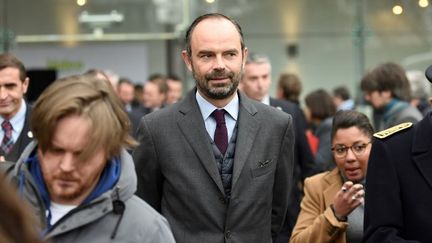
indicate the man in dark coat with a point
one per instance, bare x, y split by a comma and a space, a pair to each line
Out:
399, 185
15, 113
255, 84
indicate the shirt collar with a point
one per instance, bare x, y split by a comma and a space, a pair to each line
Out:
232, 108
266, 100
19, 116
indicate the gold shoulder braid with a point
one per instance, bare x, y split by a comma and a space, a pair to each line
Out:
392, 130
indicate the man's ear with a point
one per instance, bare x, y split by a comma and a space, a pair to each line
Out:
245, 55
187, 60
25, 85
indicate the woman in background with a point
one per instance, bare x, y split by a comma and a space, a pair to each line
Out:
319, 113
332, 207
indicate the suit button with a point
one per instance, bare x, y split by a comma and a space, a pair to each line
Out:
228, 234
222, 200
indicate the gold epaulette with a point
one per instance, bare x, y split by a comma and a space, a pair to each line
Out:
392, 130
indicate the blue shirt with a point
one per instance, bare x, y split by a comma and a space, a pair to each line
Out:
231, 115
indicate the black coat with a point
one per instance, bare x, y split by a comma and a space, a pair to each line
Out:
398, 203
304, 165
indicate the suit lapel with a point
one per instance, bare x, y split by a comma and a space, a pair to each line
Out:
421, 151
246, 133
24, 138
334, 182
192, 126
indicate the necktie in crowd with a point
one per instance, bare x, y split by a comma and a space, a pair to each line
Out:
7, 142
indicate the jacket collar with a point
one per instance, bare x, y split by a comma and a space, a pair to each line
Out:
192, 126
334, 183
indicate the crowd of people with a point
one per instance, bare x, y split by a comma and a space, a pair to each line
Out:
100, 159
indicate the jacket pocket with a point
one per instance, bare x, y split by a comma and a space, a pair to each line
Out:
263, 168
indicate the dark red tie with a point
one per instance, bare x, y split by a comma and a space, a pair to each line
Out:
7, 142
221, 133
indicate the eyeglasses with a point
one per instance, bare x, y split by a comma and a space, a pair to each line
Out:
341, 151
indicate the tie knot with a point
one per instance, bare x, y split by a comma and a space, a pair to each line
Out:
6, 125
219, 116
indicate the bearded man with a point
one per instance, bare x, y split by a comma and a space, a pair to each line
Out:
205, 162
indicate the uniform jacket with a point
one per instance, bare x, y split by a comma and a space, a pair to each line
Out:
178, 174
316, 221
97, 221
398, 200
23, 140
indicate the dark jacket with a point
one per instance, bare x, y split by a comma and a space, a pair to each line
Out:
394, 113
324, 157
304, 165
23, 140
398, 195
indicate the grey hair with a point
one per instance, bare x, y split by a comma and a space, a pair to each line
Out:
257, 59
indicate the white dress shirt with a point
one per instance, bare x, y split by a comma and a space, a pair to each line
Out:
231, 115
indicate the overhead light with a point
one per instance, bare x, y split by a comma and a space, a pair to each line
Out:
397, 9
423, 3
81, 2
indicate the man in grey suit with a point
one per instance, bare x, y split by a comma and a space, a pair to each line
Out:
205, 162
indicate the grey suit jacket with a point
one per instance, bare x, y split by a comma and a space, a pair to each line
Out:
178, 175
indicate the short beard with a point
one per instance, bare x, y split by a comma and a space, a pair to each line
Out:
218, 93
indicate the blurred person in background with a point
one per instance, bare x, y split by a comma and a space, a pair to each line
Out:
107, 75
97, 73
387, 89
333, 205
126, 93
289, 88
17, 223
319, 111
76, 175
139, 93
155, 92
15, 112
113, 78
342, 98
175, 89
255, 83
134, 109
420, 91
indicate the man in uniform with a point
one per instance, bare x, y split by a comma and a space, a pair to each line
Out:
399, 184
